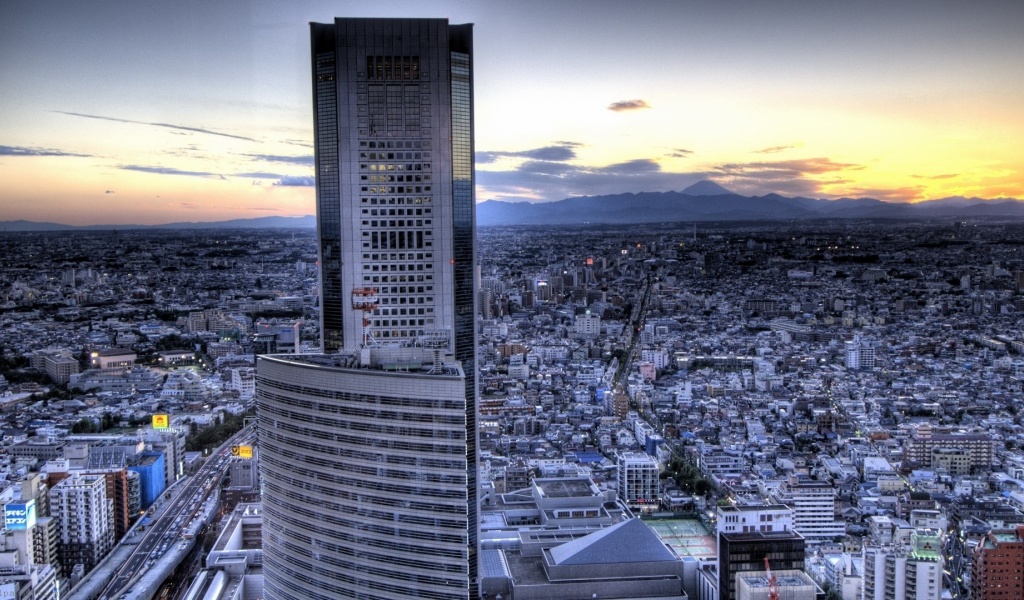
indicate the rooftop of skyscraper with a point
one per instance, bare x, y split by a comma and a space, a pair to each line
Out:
393, 359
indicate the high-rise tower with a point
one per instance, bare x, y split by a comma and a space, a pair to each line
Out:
368, 452
393, 109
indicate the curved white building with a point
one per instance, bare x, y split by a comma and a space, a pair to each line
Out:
364, 478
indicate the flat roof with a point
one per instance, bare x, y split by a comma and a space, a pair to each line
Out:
408, 360
564, 488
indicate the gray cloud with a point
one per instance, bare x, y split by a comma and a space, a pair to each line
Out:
679, 153
169, 171
640, 166
109, 192
559, 151
541, 180
260, 175
301, 180
306, 159
624, 105
164, 125
545, 181
23, 151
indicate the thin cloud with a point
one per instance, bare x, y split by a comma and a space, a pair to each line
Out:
679, 153
900, 194
260, 175
558, 152
164, 125
798, 177
944, 176
774, 149
109, 192
624, 105
170, 171
303, 143
786, 168
296, 181
306, 159
24, 151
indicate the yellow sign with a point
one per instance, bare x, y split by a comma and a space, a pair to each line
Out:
161, 421
241, 451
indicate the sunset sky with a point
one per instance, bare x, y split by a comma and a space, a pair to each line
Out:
152, 112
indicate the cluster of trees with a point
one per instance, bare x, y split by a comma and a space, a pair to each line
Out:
106, 422
211, 437
688, 477
14, 368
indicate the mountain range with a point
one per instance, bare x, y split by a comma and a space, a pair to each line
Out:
708, 201
702, 201
306, 222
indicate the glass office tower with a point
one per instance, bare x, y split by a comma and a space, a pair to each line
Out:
388, 484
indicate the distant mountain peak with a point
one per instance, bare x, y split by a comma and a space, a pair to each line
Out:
705, 187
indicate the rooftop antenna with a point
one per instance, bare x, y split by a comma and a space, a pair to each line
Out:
365, 301
436, 340
773, 583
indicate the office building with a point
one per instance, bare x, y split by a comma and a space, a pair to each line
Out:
365, 472
791, 585
904, 571
588, 324
638, 479
997, 564
150, 467
232, 564
393, 112
627, 561
744, 553
814, 508
85, 520
752, 518
860, 353
368, 457
119, 490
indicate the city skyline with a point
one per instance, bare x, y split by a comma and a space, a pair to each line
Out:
119, 113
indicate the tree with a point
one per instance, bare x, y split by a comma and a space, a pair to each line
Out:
84, 425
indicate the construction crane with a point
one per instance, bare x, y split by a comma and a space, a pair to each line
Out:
773, 583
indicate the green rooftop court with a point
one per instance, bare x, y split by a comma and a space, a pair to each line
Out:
687, 537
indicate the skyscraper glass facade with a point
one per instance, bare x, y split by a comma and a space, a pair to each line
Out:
369, 466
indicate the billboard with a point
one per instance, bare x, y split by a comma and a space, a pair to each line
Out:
241, 451
161, 421
20, 516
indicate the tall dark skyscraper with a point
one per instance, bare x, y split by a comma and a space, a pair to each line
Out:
368, 452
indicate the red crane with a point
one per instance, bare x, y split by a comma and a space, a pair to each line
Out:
773, 584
